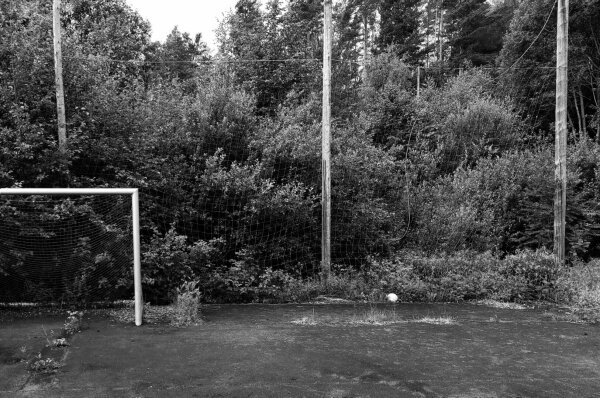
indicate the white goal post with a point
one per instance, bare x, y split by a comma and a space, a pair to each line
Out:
135, 210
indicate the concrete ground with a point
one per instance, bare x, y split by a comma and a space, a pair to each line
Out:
257, 351
20, 341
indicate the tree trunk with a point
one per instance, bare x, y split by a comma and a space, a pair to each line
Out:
440, 35
436, 29
577, 111
365, 45
582, 109
597, 99
570, 121
428, 31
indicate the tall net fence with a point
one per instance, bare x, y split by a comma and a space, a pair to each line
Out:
228, 163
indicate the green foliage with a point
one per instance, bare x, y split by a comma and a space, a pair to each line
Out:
531, 80
177, 57
505, 204
400, 27
340, 285
466, 276
387, 99
475, 31
44, 365
73, 323
227, 156
166, 263
579, 285
536, 271
27, 151
187, 304
463, 121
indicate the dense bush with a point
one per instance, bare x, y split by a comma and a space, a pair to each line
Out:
387, 100
505, 204
166, 262
580, 285
463, 121
466, 276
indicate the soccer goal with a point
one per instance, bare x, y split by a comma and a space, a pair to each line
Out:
70, 244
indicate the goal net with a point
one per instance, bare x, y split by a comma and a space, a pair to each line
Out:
69, 246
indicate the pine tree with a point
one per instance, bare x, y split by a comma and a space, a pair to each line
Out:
400, 28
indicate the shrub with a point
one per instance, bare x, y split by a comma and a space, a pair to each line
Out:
535, 270
465, 121
73, 322
300, 291
387, 97
580, 285
271, 283
346, 286
166, 262
44, 365
187, 305
445, 219
419, 277
466, 276
504, 204
394, 275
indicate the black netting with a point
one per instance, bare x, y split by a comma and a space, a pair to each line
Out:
57, 249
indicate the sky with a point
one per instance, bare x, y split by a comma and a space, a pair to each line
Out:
192, 16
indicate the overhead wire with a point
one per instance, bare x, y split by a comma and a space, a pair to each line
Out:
535, 39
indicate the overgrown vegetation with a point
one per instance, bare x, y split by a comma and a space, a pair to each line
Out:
44, 365
442, 197
73, 323
187, 305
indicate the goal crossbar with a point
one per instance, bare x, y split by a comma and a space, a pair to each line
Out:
135, 210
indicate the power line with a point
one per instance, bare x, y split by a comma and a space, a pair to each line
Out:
536, 38
196, 62
282, 60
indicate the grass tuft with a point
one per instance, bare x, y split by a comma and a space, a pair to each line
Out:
305, 320
440, 320
375, 316
502, 305
44, 365
187, 305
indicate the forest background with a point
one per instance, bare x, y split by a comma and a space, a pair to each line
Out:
441, 193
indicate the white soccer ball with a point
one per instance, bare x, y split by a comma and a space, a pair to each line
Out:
391, 297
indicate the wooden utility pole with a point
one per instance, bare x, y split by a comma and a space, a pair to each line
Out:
441, 56
326, 146
427, 32
60, 95
560, 152
365, 45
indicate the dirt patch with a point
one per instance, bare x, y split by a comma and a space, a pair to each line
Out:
10, 356
22, 338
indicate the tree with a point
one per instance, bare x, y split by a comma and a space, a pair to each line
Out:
475, 30
252, 37
107, 29
179, 56
399, 27
530, 68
